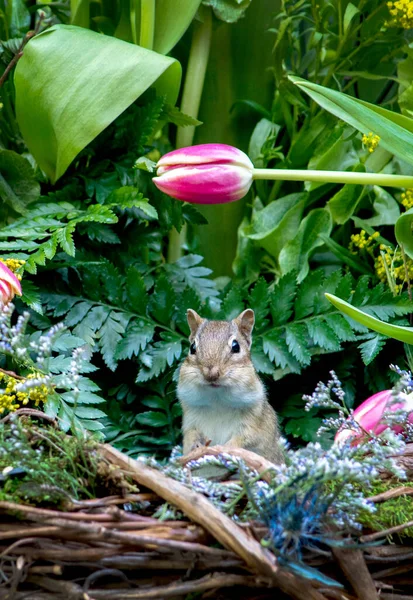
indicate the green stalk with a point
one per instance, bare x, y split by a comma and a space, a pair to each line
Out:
147, 31
191, 100
381, 179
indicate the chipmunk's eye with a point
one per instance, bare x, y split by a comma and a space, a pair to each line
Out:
235, 347
192, 348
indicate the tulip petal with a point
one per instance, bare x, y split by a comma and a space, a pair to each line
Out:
370, 414
204, 154
10, 278
5, 293
205, 184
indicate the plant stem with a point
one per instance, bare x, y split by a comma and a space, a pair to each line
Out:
147, 31
402, 181
195, 76
191, 100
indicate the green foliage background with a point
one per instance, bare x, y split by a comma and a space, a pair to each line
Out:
95, 243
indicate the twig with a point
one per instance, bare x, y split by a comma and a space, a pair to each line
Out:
394, 493
28, 412
385, 532
252, 460
11, 373
354, 567
181, 588
201, 511
29, 35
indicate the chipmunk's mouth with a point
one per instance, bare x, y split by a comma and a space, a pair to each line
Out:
215, 385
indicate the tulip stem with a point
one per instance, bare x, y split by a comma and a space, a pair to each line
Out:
147, 32
190, 103
402, 181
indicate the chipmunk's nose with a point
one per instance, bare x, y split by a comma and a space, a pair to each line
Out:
211, 373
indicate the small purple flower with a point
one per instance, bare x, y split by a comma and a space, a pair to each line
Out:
205, 174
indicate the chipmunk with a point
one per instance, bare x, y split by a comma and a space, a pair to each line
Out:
222, 397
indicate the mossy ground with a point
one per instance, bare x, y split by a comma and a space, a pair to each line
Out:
390, 513
41, 465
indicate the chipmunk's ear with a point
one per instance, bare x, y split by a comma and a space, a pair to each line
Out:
245, 322
194, 320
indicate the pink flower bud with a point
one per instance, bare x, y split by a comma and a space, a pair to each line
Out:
205, 174
370, 415
9, 285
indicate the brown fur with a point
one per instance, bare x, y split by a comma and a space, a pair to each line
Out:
222, 397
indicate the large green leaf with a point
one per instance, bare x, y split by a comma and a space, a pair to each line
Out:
402, 334
172, 19
296, 254
71, 83
278, 223
404, 231
395, 130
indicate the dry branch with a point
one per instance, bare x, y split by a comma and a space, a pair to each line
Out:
201, 511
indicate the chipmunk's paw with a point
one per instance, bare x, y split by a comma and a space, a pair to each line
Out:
200, 443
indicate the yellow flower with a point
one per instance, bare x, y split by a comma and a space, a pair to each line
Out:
407, 198
401, 13
370, 141
10, 400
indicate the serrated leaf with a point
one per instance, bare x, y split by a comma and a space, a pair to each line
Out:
340, 327
86, 412
187, 272
306, 294
162, 301
282, 299
65, 239
371, 348
232, 304
137, 336
136, 294
322, 334
152, 418
259, 299
276, 348
77, 313
84, 397
178, 118
297, 342
109, 335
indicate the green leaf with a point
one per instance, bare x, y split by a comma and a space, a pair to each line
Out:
385, 207
110, 334
296, 254
130, 197
187, 272
258, 300
344, 203
136, 294
65, 239
137, 336
297, 342
404, 232
18, 18
18, 186
171, 21
64, 99
162, 301
307, 294
349, 14
278, 223
228, 10
152, 418
371, 348
395, 130
278, 352
345, 255
282, 299
232, 304
87, 412
402, 334
84, 398
178, 118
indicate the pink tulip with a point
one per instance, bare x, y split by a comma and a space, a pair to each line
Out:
9, 285
205, 174
370, 414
